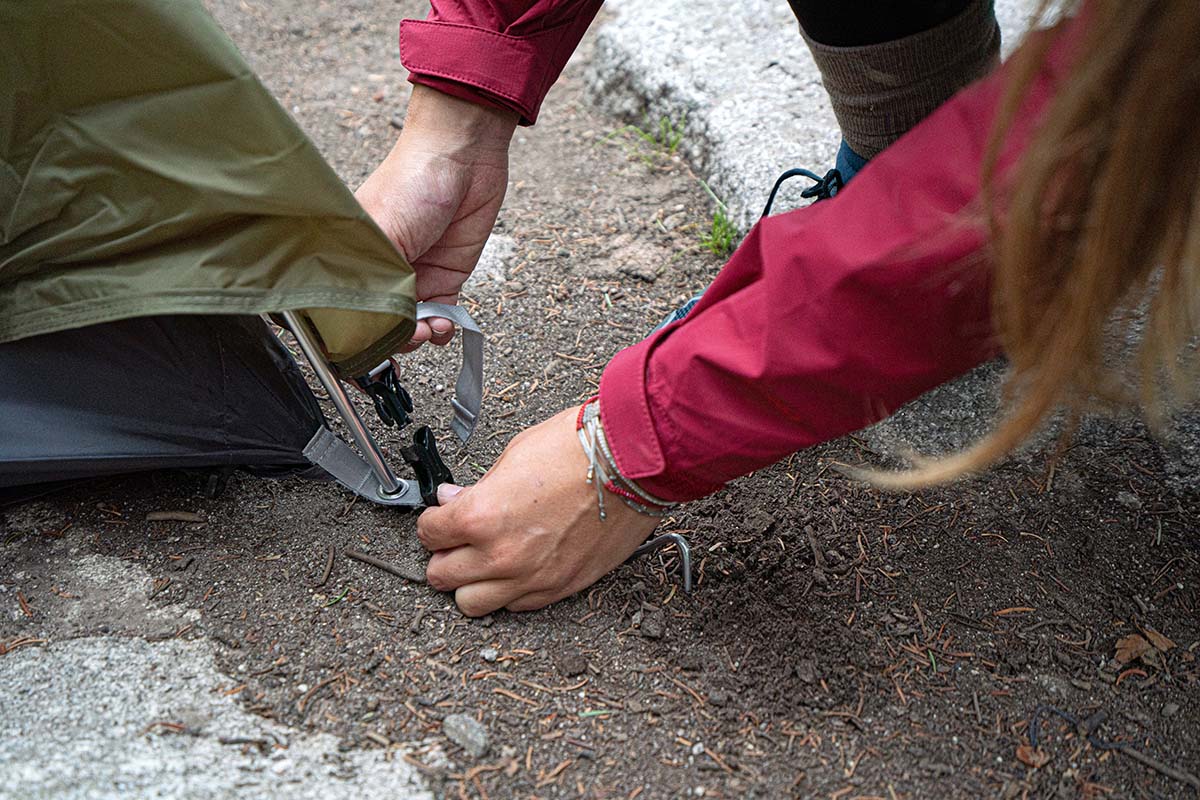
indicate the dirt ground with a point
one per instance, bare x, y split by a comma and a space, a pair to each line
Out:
839, 643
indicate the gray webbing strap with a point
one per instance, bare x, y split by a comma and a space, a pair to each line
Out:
468, 389
330, 453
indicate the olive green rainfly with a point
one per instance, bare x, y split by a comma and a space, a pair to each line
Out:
144, 171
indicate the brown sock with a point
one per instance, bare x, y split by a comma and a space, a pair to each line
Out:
879, 91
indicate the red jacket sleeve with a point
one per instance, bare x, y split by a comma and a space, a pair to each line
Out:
828, 318
505, 53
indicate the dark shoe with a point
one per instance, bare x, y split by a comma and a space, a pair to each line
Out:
823, 188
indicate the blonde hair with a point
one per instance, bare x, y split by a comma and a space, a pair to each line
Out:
1100, 244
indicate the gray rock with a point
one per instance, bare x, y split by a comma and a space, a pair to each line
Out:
1129, 500
489, 654
654, 624
764, 110
571, 664
75, 726
494, 261
1170, 709
466, 732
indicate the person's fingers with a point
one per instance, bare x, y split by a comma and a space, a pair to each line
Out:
421, 334
534, 600
446, 493
449, 569
440, 337
440, 528
441, 326
477, 599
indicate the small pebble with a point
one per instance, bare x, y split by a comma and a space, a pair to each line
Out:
572, 664
1129, 500
673, 221
806, 671
467, 733
654, 625
489, 654
1170, 709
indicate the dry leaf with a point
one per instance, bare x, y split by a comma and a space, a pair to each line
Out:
1131, 648
1160, 642
1032, 756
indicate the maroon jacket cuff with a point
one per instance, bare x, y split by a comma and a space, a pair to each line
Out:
464, 92
500, 69
637, 449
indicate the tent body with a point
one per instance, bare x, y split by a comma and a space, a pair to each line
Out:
145, 171
154, 201
151, 393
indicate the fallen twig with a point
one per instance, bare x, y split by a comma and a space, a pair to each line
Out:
1088, 728
262, 744
175, 516
328, 568
1165, 769
20, 641
395, 569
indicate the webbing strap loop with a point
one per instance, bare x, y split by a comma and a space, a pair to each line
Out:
468, 389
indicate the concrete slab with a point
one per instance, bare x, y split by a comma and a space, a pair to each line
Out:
112, 717
117, 716
743, 79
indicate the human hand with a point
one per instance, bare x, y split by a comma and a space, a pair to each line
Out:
529, 532
438, 192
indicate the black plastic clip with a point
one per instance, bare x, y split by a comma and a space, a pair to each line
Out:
427, 463
392, 401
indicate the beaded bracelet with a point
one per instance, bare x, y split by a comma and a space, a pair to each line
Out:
602, 468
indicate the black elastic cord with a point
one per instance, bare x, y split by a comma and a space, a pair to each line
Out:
824, 188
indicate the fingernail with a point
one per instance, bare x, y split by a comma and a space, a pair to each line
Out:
447, 492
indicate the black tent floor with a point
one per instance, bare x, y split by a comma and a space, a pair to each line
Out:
148, 394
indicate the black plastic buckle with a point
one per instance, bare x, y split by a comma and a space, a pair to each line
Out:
427, 463
392, 401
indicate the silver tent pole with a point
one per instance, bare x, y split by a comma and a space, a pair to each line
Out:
337, 393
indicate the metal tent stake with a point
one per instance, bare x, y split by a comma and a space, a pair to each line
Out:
388, 483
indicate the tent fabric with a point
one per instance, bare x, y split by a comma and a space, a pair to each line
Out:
151, 393
145, 171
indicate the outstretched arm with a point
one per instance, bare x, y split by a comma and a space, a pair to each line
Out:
825, 320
